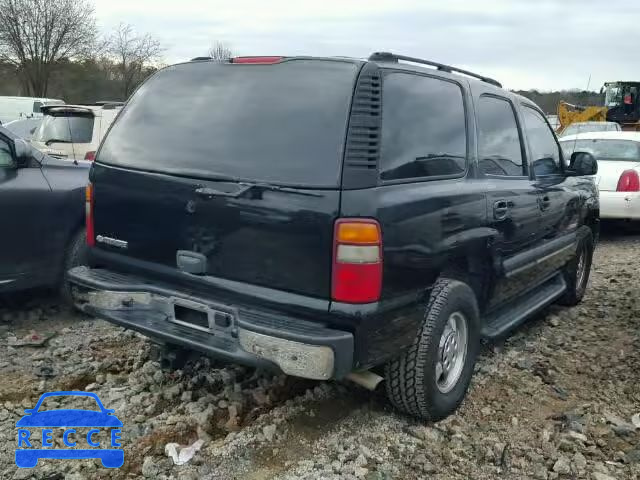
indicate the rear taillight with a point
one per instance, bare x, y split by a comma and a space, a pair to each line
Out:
259, 60
88, 205
91, 156
357, 261
629, 182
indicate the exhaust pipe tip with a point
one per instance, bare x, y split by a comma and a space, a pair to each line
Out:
366, 379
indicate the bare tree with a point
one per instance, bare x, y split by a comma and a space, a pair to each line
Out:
220, 51
36, 34
132, 53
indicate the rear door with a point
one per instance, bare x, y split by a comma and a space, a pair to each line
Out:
512, 196
237, 165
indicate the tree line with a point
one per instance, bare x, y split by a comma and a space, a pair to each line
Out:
548, 101
51, 48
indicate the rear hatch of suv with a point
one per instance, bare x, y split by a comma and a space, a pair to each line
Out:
66, 132
237, 163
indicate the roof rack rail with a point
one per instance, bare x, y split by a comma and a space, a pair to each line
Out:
392, 57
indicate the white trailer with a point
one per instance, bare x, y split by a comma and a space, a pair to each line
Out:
14, 108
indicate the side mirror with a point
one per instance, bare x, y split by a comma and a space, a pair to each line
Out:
22, 149
583, 164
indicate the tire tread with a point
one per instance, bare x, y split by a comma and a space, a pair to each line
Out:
405, 375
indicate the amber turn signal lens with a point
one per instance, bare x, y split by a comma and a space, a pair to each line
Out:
358, 233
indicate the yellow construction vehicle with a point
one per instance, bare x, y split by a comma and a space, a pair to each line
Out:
568, 114
621, 105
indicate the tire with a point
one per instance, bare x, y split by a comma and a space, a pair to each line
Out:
411, 382
576, 281
76, 254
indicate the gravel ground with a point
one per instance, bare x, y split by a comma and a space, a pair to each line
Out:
559, 399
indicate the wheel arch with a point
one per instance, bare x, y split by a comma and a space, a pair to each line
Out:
476, 264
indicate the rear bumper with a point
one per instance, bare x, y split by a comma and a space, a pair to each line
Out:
252, 337
620, 205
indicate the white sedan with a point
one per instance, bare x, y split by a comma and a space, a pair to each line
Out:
618, 178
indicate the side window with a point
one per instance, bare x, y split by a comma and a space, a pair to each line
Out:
37, 106
499, 145
423, 128
6, 157
544, 148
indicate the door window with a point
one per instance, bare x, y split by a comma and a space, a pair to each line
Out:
499, 145
544, 148
6, 157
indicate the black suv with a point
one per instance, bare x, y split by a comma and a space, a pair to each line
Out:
335, 217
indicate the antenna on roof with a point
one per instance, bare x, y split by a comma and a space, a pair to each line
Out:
575, 140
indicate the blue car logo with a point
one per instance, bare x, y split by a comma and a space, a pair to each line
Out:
27, 453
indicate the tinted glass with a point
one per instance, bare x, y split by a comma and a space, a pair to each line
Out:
65, 128
544, 149
625, 150
499, 146
423, 128
282, 123
6, 159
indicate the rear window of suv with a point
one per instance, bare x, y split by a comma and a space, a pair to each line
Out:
283, 123
65, 128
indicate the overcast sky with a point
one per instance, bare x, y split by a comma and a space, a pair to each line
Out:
544, 44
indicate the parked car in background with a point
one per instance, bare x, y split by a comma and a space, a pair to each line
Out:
74, 132
24, 128
334, 217
618, 178
14, 108
585, 127
42, 200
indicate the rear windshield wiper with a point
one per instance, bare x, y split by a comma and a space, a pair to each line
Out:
278, 188
246, 186
55, 140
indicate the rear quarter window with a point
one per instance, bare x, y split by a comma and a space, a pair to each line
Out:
423, 128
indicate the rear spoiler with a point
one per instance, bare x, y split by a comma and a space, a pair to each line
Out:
53, 109
105, 104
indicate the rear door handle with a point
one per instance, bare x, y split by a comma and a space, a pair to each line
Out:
500, 209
